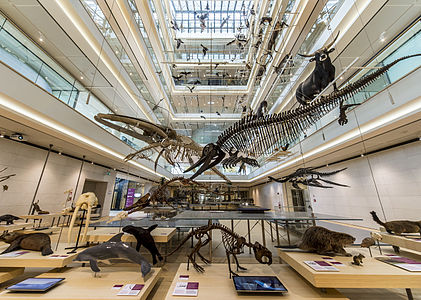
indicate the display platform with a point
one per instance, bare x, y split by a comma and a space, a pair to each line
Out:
412, 242
10, 273
160, 235
15, 226
80, 283
373, 273
34, 259
215, 283
48, 230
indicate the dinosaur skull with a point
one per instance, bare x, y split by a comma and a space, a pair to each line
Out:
85, 201
261, 251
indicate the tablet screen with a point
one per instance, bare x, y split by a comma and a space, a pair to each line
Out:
35, 284
258, 284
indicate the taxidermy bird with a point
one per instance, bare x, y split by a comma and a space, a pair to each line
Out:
177, 77
263, 20
179, 42
224, 21
203, 117
218, 113
196, 82
174, 25
184, 73
191, 88
252, 11
216, 65
204, 49
157, 105
5, 187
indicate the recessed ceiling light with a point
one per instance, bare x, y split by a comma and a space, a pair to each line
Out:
81, 77
59, 153
116, 52
92, 162
341, 77
211, 102
41, 39
1, 135
130, 73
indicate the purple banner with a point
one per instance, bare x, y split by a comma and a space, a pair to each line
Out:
130, 197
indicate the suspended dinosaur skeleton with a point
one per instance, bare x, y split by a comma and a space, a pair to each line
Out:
309, 177
170, 145
260, 136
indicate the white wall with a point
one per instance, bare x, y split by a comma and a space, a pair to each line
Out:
267, 196
60, 174
397, 176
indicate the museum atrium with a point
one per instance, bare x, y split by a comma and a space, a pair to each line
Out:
280, 138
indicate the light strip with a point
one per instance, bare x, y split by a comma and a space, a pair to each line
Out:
390, 116
84, 32
31, 114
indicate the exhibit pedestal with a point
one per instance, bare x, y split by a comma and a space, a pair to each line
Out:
372, 274
80, 283
215, 284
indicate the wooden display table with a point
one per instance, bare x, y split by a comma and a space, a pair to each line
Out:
15, 226
10, 273
374, 273
402, 241
214, 283
43, 217
48, 230
80, 283
160, 235
34, 259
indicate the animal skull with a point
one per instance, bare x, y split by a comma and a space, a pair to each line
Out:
85, 201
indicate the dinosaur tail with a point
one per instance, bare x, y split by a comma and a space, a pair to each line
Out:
352, 88
376, 219
190, 235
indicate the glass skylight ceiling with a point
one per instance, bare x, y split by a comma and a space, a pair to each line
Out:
220, 16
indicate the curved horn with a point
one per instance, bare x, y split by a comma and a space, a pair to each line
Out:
72, 223
332, 42
306, 55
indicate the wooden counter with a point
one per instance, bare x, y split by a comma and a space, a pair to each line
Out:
103, 234
402, 241
80, 283
36, 260
374, 273
15, 226
214, 283
10, 273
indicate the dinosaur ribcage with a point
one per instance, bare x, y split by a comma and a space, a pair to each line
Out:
230, 243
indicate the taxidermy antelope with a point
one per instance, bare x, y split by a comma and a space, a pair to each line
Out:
85, 201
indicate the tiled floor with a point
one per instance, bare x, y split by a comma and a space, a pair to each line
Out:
170, 268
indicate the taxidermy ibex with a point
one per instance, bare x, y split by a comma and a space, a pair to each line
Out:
322, 75
258, 136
